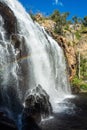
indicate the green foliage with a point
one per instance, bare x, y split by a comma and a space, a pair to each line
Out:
85, 21
84, 29
64, 17
60, 20
58, 29
83, 67
69, 22
55, 16
66, 27
82, 82
78, 35
83, 86
76, 81
75, 19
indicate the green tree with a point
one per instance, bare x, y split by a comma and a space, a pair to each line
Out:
60, 20
75, 19
85, 21
64, 17
83, 67
80, 20
55, 16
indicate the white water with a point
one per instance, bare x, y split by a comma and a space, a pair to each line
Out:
46, 59
8, 68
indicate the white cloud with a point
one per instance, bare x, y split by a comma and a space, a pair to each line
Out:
56, 2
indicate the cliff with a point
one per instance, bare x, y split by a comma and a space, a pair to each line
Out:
63, 41
73, 41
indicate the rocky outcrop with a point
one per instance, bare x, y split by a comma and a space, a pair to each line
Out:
37, 103
48, 24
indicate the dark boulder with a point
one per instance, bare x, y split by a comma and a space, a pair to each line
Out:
37, 104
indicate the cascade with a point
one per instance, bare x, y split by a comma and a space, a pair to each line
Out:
45, 61
8, 71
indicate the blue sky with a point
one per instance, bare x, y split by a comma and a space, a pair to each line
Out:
75, 7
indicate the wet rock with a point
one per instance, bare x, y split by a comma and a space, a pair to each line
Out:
10, 22
18, 41
21, 52
75, 89
37, 103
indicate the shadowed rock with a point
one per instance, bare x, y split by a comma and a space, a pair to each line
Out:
37, 104
6, 123
10, 22
29, 124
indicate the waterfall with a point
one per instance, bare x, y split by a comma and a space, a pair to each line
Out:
8, 73
46, 61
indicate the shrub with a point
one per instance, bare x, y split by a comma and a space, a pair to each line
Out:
83, 86
78, 36
76, 81
66, 27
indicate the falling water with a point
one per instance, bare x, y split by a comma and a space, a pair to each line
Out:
46, 60
8, 71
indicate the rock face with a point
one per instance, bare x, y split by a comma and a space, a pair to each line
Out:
21, 51
37, 103
48, 24
10, 22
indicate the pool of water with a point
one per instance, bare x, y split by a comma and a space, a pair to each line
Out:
72, 117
